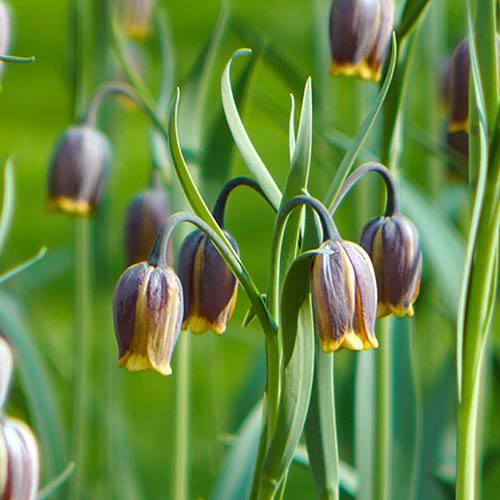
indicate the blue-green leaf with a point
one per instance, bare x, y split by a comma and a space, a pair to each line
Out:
412, 13
236, 474
296, 324
218, 144
8, 203
241, 138
320, 429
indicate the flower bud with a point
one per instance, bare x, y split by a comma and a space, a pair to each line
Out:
147, 212
360, 31
5, 370
459, 89
136, 17
147, 310
459, 86
78, 170
210, 289
393, 244
344, 295
5, 32
20, 477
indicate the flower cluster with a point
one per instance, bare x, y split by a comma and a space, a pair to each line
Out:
351, 285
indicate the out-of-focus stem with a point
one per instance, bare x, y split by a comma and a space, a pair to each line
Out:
81, 349
383, 416
180, 490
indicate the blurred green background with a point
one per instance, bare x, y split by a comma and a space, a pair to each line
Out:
134, 413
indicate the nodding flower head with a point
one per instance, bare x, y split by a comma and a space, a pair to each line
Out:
19, 461
393, 244
78, 171
344, 295
147, 311
360, 31
210, 288
146, 214
458, 87
136, 17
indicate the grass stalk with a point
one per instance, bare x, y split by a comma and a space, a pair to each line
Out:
81, 346
181, 490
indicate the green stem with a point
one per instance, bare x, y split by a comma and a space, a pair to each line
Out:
479, 312
82, 345
383, 417
182, 420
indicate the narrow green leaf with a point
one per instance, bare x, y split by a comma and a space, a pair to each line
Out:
241, 138
218, 145
57, 482
8, 203
39, 391
22, 267
348, 475
236, 475
320, 429
285, 245
297, 375
412, 13
291, 128
356, 146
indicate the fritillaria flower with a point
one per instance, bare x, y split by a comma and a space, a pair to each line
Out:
360, 31
146, 214
78, 170
6, 363
147, 310
344, 295
19, 461
210, 288
393, 244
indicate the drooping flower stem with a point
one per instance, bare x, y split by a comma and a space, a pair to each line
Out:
181, 467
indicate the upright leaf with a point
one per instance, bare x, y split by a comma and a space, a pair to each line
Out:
296, 324
241, 138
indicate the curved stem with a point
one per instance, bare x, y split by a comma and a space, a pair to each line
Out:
329, 232
158, 256
16, 59
220, 204
392, 204
108, 89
